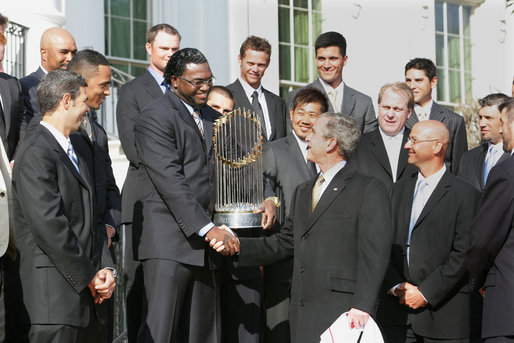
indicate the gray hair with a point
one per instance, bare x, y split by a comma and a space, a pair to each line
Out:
344, 129
55, 85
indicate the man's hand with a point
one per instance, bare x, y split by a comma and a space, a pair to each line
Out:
412, 297
270, 214
357, 318
482, 291
110, 233
223, 240
102, 285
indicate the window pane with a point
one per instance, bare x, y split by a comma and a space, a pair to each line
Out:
106, 6
316, 5
467, 54
301, 27
301, 67
120, 8
139, 9
285, 62
122, 67
284, 91
441, 85
452, 12
136, 71
284, 32
301, 3
468, 80
316, 25
454, 86
439, 19
139, 36
106, 32
466, 12
439, 50
283, 2
120, 31
454, 52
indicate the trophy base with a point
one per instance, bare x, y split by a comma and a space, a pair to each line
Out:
238, 220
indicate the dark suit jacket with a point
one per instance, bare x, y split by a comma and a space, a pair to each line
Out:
13, 113
471, 166
176, 182
61, 249
29, 86
276, 108
491, 262
455, 123
340, 250
355, 104
371, 158
133, 97
437, 266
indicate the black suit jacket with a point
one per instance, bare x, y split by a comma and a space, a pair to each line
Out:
29, 86
276, 108
133, 97
471, 166
438, 261
340, 250
176, 182
60, 247
455, 123
371, 158
13, 109
355, 104
491, 262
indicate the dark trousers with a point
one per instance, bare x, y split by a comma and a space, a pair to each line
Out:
183, 303
405, 334
276, 306
509, 339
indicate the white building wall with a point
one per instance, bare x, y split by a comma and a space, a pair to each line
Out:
85, 21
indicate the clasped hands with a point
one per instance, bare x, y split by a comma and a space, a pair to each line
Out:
223, 240
410, 296
102, 285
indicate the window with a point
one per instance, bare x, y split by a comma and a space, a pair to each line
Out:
453, 53
126, 23
299, 26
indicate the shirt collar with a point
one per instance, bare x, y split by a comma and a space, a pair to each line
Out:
61, 139
329, 175
158, 77
426, 109
498, 146
249, 89
43, 69
433, 179
328, 87
398, 136
189, 107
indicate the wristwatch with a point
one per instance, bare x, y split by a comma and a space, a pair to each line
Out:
275, 200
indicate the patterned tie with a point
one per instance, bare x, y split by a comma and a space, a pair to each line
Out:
198, 121
333, 99
316, 191
417, 206
260, 114
72, 156
489, 162
422, 115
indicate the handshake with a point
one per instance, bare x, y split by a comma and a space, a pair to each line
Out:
223, 240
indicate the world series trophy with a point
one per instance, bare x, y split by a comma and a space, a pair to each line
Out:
237, 143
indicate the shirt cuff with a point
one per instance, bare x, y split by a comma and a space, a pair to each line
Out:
394, 289
203, 231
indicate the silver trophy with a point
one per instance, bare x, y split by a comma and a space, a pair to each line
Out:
237, 144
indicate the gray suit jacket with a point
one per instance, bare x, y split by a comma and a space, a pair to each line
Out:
276, 108
455, 123
355, 104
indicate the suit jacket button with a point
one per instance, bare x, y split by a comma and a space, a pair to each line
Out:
2, 194
305, 236
301, 303
302, 269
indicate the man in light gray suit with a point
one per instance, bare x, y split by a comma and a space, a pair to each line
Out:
285, 167
330, 59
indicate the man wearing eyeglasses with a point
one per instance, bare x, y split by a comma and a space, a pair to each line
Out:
380, 152
425, 296
176, 184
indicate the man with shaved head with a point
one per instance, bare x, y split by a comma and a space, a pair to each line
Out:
425, 296
57, 48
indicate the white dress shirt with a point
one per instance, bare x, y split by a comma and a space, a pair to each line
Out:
329, 175
393, 146
498, 148
337, 103
262, 100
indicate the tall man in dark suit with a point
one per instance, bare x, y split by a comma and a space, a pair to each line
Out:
11, 113
162, 41
254, 58
380, 152
66, 269
286, 166
330, 60
57, 48
476, 164
420, 75
176, 185
491, 265
338, 231
427, 289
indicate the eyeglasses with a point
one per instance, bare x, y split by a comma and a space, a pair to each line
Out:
414, 141
199, 83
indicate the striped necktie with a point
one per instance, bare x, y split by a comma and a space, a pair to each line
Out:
198, 121
489, 162
72, 156
316, 191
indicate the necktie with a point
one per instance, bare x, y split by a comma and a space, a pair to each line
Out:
417, 206
260, 114
72, 156
489, 162
422, 115
333, 99
316, 191
198, 121
165, 85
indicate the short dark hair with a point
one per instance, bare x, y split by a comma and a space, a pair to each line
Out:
311, 95
422, 64
331, 38
257, 44
86, 62
345, 130
509, 106
179, 61
3, 19
494, 99
154, 30
223, 91
55, 85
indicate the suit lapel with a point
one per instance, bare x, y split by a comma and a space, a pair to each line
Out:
437, 113
379, 151
241, 95
504, 157
297, 156
348, 100
404, 155
151, 86
270, 103
439, 192
6, 104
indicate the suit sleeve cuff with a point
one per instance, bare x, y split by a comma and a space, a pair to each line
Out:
203, 231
